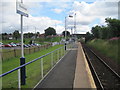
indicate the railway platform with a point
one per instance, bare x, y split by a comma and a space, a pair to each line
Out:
83, 76
72, 71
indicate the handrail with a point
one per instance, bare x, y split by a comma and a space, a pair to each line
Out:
4, 74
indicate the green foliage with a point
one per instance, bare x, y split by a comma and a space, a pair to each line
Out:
4, 36
67, 33
114, 26
53, 39
108, 48
28, 35
88, 37
32, 71
50, 31
95, 31
16, 34
105, 32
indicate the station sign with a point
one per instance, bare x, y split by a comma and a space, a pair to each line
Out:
21, 9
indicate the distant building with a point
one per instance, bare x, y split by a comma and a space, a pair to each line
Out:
79, 35
41, 35
7, 36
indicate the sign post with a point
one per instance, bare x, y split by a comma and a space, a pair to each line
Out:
22, 10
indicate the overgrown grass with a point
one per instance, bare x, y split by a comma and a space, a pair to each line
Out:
108, 48
33, 71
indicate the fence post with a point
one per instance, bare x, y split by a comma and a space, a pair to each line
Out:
19, 81
34, 49
58, 54
23, 71
14, 52
51, 60
42, 67
61, 52
29, 50
65, 46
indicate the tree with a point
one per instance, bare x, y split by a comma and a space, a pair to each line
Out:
38, 33
113, 26
4, 36
96, 31
67, 33
88, 36
16, 34
104, 32
50, 31
28, 35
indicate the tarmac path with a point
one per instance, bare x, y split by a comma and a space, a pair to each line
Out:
62, 76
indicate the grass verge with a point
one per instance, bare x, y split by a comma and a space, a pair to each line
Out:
108, 48
33, 71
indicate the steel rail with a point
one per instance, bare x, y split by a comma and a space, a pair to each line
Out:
102, 62
115, 73
98, 82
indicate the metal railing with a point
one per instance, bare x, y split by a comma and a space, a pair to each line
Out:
35, 72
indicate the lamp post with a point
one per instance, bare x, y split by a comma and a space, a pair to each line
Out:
65, 33
74, 23
71, 27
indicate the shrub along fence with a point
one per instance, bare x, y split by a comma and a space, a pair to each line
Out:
17, 52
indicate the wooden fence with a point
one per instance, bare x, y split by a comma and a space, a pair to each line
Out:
17, 52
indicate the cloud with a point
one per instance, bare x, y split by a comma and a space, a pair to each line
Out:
59, 29
87, 13
83, 29
41, 23
10, 20
57, 10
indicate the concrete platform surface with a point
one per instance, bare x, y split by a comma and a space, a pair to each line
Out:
83, 76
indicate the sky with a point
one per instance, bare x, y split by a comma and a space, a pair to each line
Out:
52, 13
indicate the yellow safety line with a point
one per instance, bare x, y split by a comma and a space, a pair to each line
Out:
92, 83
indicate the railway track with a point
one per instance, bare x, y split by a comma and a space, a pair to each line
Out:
105, 77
